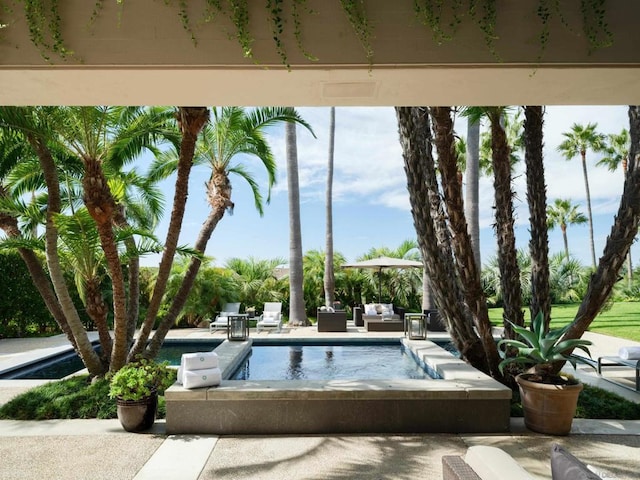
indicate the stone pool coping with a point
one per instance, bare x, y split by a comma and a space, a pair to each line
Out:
464, 400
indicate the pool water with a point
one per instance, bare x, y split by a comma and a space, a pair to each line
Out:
329, 362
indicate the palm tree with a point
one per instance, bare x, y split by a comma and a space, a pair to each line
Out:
562, 214
297, 313
577, 142
616, 156
329, 275
233, 134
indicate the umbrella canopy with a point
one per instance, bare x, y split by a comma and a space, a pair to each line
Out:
383, 262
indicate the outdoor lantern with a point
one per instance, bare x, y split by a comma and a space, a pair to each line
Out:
238, 327
415, 326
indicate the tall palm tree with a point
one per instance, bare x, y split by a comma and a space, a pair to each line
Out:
617, 156
329, 275
562, 214
232, 134
577, 142
297, 312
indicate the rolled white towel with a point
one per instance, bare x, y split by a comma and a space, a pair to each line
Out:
210, 377
199, 360
629, 353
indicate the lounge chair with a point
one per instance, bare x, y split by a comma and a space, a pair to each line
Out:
627, 357
221, 322
271, 317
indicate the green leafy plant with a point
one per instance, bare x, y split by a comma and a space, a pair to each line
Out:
540, 350
140, 379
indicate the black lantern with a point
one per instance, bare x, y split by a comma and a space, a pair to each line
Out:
238, 328
415, 326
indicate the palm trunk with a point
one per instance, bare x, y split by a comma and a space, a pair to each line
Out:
102, 207
191, 121
182, 295
583, 155
563, 229
329, 275
97, 309
297, 313
472, 194
619, 241
9, 225
85, 349
467, 269
537, 199
507, 253
133, 302
428, 218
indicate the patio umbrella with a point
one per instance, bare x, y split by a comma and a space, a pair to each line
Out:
383, 262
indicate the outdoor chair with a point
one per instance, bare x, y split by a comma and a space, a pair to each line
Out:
271, 317
221, 322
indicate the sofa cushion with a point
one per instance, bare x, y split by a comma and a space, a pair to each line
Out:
492, 463
370, 309
565, 466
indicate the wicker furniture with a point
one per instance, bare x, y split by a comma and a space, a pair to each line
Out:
332, 321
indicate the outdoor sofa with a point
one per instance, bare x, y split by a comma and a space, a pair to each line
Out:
377, 312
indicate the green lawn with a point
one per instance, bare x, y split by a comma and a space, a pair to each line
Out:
621, 320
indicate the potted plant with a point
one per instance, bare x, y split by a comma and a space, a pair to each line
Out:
135, 388
549, 400
250, 311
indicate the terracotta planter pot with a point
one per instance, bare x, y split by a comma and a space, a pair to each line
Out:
137, 415
548, 408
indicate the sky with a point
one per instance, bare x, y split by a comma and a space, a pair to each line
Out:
370, 199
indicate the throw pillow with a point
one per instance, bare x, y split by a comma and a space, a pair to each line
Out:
370, 309
378, 308
565, 466
269, 315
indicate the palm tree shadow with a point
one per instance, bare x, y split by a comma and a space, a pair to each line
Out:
335, 457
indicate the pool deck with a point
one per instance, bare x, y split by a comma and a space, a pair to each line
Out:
73, 449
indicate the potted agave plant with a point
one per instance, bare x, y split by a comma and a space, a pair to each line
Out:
549, 399
136, 387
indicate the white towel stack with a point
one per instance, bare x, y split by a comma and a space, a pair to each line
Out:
629, 353
199, 369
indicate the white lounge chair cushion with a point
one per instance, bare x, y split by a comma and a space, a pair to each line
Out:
270, 315
492, 463
199, 360
629, 353
210, 377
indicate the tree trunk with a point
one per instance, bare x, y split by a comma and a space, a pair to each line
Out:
190, 275
537, 199
583, 155
432, 231
9, 225
507, 253
329, 275
133, 276
191, 121
97, 310
563, 229
619, 241
472, 197
467, 269
85, 349
297, 313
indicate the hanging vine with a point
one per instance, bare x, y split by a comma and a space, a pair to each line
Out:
442, 17
355, 10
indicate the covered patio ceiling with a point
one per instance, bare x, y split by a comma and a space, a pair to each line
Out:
143, 56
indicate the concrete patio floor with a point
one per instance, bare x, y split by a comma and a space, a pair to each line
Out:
95, 449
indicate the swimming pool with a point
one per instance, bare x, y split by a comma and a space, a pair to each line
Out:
462, 400
328, 362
